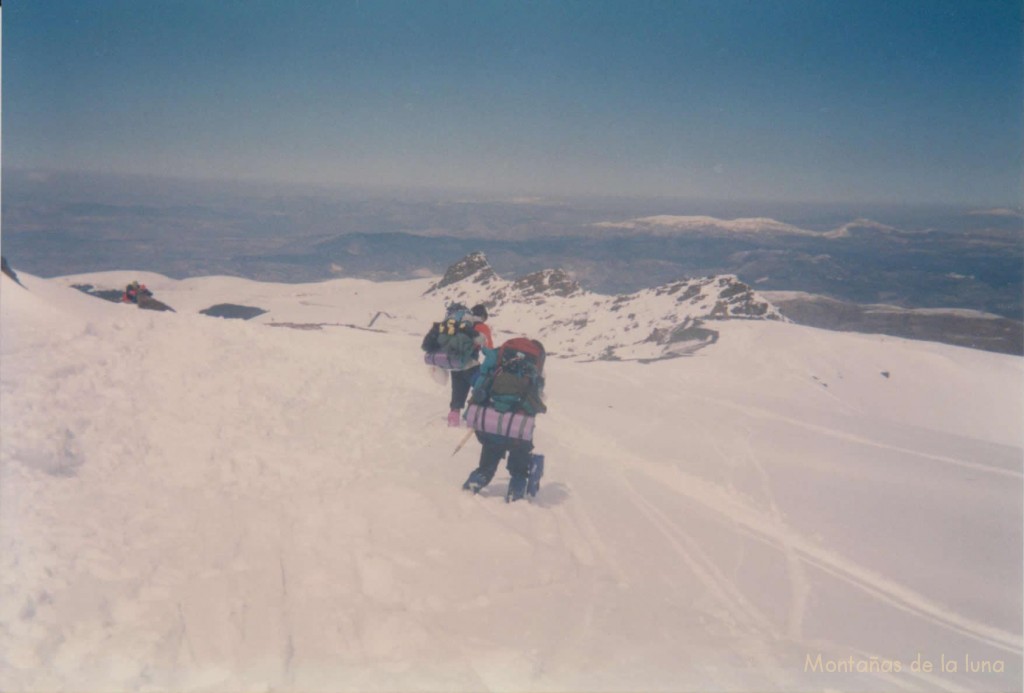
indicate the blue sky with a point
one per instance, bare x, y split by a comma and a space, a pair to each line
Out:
817, 100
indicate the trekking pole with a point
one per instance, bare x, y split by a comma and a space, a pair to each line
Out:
462, 442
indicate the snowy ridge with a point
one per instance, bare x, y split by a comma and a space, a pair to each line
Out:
998, 212
848, 228
670, 320
667, 224
879, 307
196, 503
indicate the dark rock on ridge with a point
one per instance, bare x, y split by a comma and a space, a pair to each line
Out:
233, 311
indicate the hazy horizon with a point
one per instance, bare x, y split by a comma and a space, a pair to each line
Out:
909, 255
118, 187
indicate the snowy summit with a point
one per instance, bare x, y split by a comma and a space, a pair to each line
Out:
199, 503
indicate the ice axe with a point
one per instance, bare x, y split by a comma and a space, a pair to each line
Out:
462, 442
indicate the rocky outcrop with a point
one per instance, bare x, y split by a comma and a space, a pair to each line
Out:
733, 298
667, 321
149, 303
233, 311
549, 282
6, 269
113, 295
473, 268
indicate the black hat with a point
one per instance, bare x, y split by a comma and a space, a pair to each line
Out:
480, 310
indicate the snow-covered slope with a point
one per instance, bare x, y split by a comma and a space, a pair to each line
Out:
667, 321
189, 503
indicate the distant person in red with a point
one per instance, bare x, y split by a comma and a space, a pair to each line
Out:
133, 291
462, 381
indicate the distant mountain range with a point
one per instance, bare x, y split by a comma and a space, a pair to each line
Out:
897, 255
666, 224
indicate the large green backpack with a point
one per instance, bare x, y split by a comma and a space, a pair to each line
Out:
512, 378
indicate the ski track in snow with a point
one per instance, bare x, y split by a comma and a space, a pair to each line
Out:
189, 503
860, 440
797, 575
775, 532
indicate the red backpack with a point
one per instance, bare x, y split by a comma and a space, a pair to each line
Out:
530, 348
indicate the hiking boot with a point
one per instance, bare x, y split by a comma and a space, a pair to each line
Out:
453, 418
475, 482
516, 489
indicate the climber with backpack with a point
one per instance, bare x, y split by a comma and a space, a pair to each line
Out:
135, 291
454, 345
506, 397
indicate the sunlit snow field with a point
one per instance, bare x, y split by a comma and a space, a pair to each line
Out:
192, 503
